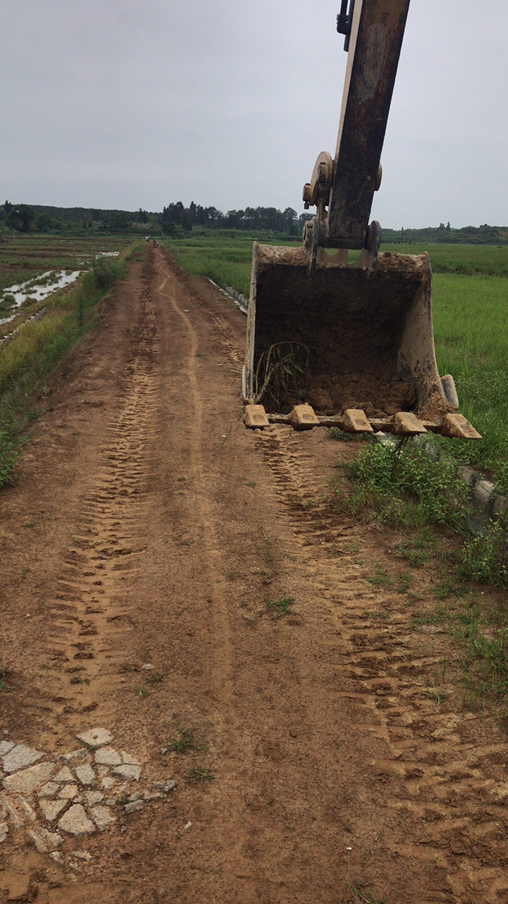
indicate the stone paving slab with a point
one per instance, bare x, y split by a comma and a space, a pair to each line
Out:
20, 756
95, 737
62, 797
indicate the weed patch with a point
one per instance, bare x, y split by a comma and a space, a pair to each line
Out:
10, 450
485, 558
200, 775
141, 691
379, 577
360, 894
408, 488
279, 608
185, 742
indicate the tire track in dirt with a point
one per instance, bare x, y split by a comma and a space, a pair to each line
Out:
253, 723
441, 770
392, 673
196, 473
91, 606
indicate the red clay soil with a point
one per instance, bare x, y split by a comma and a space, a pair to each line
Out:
325, 753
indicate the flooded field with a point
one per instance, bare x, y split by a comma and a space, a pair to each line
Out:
32, 268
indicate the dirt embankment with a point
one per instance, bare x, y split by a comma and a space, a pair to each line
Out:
182, 584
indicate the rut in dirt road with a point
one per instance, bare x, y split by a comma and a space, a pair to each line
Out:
90, 595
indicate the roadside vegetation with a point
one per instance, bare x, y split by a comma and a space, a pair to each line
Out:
447, 560
225, 259
36, 344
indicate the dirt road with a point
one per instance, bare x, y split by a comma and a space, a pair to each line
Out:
183, 585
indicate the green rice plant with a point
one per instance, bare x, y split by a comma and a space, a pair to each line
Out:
471, 331
466, 260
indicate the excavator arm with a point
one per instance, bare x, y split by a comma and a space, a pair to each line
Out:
343, 189
334, 343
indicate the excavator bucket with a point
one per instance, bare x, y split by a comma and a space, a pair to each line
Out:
350, 346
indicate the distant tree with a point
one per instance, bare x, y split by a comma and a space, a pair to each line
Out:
43, 222
290, 217
142, 216
118, 220
20, 217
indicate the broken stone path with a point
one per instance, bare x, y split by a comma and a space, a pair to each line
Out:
75, 794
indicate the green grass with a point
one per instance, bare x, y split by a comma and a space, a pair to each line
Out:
478, 626
471, 330
406, 487
226, 261
411, 491
185, 741
280, 607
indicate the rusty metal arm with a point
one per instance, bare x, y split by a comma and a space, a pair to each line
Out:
343, 188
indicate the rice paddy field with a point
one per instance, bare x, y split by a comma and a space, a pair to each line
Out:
32, 268
470, 312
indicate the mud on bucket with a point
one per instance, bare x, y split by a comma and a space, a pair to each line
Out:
342, 338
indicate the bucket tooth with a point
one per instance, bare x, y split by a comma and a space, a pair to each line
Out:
407, 424
355, 420
255, 416
303, 417
457, 425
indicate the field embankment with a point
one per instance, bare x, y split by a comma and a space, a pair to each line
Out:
35, 335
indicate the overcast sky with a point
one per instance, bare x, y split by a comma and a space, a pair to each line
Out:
127, 104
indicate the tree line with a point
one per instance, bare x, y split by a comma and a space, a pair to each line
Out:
177, 217
177, 220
